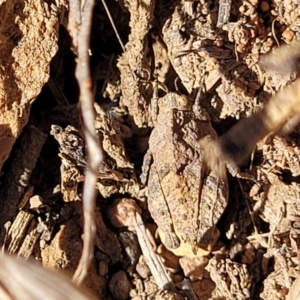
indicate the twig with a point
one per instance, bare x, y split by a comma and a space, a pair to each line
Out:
40, 283
224, 12
279, 218
94, 150
154, 262
74, 22
273, 32
248, 207
113, 25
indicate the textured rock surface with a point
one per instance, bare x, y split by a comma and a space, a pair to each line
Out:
28, 34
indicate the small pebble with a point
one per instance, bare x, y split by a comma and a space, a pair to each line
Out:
264, 6
142, 268
288, 35
119, 286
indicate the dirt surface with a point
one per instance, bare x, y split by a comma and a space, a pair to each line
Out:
169, 223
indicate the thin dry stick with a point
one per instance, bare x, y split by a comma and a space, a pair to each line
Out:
27, 280
158, 270
113, 25
249, 208
74, 21
94, 150
273, 33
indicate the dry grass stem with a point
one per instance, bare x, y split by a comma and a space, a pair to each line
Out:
113, 25
20, 279
94, 149
154, 262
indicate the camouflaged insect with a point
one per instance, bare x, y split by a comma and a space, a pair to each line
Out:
185, 199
